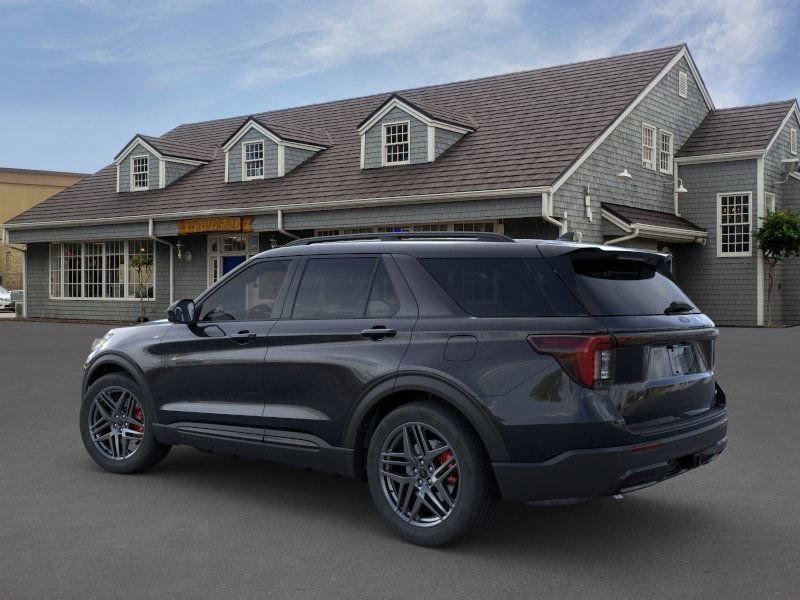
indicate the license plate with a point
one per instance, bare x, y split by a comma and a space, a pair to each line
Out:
681, 359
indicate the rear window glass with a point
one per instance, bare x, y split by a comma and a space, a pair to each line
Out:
503, 287
334, 288
623, 284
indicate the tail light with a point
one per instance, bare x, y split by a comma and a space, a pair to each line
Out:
588, 359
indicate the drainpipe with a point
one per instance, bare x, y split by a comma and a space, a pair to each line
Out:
282, 230
624, 238
151, 234
547, 211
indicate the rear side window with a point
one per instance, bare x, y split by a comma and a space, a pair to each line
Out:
345, 288
622, 284
504, 287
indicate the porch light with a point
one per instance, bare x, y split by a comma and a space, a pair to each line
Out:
624, 175
680, 189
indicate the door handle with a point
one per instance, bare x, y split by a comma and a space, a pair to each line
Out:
243, 337
378, 333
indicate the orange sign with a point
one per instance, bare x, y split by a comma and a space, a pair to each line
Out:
211, 224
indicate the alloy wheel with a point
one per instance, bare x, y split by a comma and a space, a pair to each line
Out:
116, 423
420, 474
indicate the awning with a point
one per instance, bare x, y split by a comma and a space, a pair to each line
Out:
639, 222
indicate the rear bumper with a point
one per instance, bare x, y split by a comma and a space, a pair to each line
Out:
594, 472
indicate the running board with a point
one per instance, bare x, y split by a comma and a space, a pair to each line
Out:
297, 449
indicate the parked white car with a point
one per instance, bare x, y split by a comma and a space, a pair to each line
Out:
5, 299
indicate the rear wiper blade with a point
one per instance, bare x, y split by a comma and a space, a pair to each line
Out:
676, 307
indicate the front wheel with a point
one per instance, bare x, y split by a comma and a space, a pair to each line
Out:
428, 474
116, 426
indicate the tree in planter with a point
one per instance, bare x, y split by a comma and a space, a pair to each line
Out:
142, 266
779, 239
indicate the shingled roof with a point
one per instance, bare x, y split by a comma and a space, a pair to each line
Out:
640, 216
174, 148
739, 129
530, 127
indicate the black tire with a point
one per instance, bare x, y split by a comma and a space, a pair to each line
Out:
476, 490
149, 450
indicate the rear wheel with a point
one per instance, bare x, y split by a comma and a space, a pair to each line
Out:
116, 426
429, 474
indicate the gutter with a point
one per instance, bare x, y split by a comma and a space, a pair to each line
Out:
260, 210
151, 234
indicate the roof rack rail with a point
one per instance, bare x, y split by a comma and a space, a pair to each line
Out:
402, 235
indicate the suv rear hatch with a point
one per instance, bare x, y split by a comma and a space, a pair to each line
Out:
663, 348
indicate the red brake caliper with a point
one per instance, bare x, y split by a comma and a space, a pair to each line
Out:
452, 479
138, 414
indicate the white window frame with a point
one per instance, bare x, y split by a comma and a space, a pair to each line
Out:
384, 145
793, 141
720, 253
650, 164
683, 84
769, 202
105, 298
497, 227
263, 160
133, 159
663, 154
214, 262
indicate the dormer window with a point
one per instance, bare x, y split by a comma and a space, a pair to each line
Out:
140, 168
396, 148
253, 160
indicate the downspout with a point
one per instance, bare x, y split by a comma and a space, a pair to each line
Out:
547, 211
281, 230
151, 234
675, 187
624, 238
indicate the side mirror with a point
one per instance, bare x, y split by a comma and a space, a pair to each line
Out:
182, 311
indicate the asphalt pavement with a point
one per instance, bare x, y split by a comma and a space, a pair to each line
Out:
203, 526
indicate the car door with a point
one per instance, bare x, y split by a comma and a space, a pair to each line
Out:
345, 328
213, 368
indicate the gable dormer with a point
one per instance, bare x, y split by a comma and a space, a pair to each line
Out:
259, 150
407, 131
150, 163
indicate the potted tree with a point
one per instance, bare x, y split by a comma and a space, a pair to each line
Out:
779, 240
142, 267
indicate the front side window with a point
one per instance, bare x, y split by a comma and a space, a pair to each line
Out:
648, 146
665, 152
140, 166
396, 143
120, 269
253, 160
250, 295
733, 224
345, 288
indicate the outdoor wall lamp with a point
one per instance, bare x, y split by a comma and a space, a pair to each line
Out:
624, 175
185, 255
680, 189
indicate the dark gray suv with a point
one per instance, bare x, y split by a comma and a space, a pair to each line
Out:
445, 369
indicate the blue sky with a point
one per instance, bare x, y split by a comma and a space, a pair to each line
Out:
81, 77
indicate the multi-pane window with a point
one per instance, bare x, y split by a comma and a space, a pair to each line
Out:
734, 224
665, 152
119, 269
648, 146
140, 269
395, 143
139, 172
769, 199
793, 140
253, 160
683, 84
473, 227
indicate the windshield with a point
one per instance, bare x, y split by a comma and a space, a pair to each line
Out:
3, 290
623, 283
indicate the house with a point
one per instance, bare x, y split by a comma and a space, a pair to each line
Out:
21, 189
626, 150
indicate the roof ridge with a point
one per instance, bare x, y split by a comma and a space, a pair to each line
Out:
389, 93
773, 103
